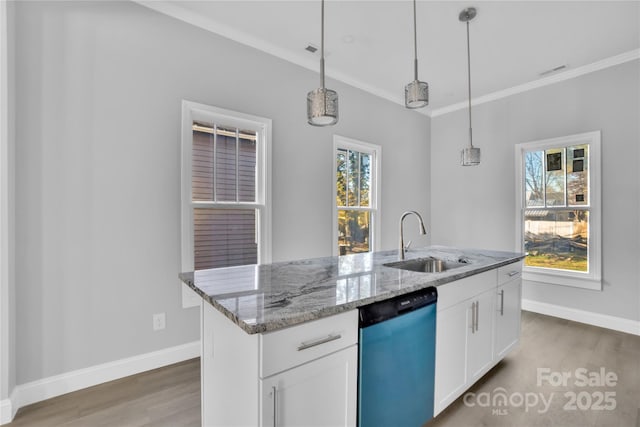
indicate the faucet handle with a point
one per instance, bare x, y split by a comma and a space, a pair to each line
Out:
406, 247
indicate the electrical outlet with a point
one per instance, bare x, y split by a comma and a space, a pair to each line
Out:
159, 321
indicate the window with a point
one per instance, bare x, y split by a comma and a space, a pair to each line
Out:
558, 205
225, 188
356, 168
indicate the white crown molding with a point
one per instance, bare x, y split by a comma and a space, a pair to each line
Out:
178, 12
596, 319
46, 388
535, 84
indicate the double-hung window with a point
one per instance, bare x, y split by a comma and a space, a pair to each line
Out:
558, 210
356, 184
225, 188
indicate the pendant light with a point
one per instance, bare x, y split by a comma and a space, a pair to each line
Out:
470, 156
322, 103
416, 93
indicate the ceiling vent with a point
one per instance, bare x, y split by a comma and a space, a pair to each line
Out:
553, 70
311, 48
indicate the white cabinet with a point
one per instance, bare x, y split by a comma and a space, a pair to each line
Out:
464, 335
451, 355
478, 323
480, 335
310, 373
312, 368
508, 310
318, 393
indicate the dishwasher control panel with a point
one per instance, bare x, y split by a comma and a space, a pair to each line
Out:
396, 306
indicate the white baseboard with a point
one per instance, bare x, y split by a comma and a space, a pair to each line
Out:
6, 414
46, 388
595, 319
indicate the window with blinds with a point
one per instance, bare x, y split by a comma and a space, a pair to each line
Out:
225, 213
223, 178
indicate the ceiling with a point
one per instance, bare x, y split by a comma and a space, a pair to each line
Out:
369, 44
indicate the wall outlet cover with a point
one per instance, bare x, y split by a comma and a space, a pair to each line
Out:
159, 321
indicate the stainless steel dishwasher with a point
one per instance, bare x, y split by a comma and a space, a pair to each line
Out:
397, 360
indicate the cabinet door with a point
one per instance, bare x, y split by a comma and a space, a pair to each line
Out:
508, 307
480, 339
318, 393
451, 341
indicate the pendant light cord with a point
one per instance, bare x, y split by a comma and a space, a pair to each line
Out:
322, 46
469, 82
415, 44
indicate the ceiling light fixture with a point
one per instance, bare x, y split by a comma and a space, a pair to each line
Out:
470, 156
322, 103
416, 93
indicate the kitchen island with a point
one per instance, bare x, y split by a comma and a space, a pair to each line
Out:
279, 341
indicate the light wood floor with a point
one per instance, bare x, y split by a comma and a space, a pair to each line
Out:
170, 396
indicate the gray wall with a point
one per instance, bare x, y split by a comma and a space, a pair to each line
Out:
8, 321
475, 206
99, 87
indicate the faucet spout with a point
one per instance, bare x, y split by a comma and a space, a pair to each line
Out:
421, 230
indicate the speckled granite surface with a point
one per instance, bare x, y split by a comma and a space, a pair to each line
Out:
263, 298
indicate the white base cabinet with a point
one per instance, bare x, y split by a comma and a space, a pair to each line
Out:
451, 354
320, 393
480, 336
508, 314
302, 375
478, 323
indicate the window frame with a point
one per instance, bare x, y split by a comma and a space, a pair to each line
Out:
586, 280
375, 151
192, 111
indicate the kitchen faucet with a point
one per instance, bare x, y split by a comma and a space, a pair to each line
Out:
421, 230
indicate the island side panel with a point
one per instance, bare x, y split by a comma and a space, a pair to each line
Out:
230, 360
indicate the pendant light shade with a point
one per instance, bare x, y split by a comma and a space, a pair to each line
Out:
322, 103
469, 156
322, 107
416, 93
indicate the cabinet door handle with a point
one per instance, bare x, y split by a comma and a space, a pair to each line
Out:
502, 302
308, 344
513, 273
473, 317
477, 314
274, 392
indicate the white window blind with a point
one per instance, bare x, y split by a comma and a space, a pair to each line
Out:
226, 180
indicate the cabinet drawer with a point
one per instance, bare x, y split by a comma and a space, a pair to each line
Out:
296, 345
509, 272
455, 292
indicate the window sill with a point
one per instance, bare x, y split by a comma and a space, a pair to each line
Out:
565, 279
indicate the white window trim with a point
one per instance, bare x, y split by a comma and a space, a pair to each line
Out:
194, 111
592, 279
376, 153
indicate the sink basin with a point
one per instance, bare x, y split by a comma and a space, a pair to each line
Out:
425, 265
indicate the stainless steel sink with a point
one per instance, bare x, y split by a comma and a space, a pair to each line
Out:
425, 265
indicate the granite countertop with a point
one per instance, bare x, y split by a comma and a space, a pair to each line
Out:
268, 297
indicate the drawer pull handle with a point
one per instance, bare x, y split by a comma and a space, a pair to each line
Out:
513, 273
308, 344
